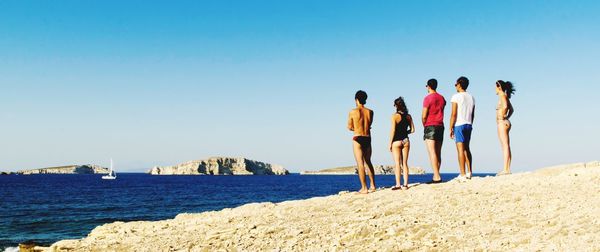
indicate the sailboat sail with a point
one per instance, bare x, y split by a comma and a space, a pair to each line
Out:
111, 173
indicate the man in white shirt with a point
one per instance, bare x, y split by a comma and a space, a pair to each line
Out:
461, 121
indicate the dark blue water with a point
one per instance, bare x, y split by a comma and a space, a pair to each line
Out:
48, 208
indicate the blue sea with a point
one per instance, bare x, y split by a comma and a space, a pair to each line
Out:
48, 208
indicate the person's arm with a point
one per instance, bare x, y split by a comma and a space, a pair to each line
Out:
510, 109
372, 119
425, 115
412, 125
393, 131
473, 117
453, 119
350, 122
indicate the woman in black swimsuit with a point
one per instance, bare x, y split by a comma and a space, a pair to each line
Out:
399, 142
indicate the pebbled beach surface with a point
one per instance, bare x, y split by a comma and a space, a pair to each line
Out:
555, 208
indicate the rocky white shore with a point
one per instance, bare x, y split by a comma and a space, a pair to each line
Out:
220, 166
348, 170
553, 209
68, 169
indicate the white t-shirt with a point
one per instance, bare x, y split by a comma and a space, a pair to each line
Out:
466, 104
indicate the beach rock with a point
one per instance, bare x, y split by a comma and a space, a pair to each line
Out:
69, 169
518, 212
348, 170
220, 166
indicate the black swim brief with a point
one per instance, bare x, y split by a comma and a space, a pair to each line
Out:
435, 133
364, 141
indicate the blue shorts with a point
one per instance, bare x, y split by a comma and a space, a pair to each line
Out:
462, 133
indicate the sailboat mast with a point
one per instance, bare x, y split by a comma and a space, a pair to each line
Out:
111, 173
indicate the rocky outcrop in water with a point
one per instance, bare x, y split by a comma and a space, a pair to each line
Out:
348, 170
69, 169
220, 166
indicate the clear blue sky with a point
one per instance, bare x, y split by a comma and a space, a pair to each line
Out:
162, 82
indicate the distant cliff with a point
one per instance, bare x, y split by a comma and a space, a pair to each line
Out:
379, 169
69, 169
220, 166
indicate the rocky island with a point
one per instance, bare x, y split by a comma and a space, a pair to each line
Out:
68, 169
220, 166
349, 170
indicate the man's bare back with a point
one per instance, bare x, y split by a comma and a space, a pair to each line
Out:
360, 120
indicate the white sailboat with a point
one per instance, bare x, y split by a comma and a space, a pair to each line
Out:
111, 174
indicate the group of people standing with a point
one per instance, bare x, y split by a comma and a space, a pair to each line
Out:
461, 121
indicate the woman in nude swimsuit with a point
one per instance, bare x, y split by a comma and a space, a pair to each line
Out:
399, 143
504, 110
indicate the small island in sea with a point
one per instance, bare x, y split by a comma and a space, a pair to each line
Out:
349, 170
221, 166
67, 169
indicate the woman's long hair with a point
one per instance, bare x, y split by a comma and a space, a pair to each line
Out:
507, 87
400, 105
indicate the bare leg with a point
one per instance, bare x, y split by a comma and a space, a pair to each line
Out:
460, 149
396, 153
405, 152
438, 152
358, 155
434, 157
468, 158
503, 135
371, 171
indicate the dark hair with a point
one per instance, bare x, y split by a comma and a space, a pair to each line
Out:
400, 105
463, 82
361, 96
507, 87
432, 83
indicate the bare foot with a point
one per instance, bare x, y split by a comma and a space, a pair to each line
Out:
372, 189
503, 173
363, 191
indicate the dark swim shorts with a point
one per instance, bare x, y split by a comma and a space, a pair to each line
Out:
364, 141
434, 133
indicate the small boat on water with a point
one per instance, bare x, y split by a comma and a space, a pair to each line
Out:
111, 174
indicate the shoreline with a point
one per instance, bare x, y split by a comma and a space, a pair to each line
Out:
550, 208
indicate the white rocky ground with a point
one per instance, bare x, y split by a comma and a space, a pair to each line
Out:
549, 209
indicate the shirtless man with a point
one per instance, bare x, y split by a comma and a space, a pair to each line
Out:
359, 122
